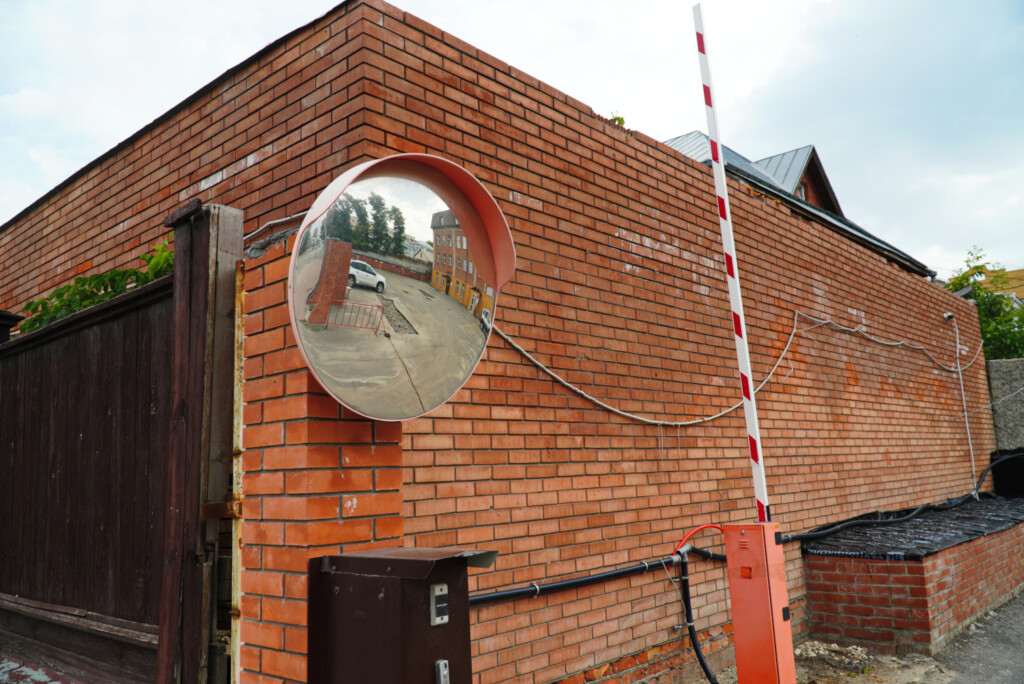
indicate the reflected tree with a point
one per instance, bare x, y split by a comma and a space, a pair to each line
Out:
397, 246
374, 228
379, 233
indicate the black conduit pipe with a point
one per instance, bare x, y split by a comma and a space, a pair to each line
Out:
708, 555
806, 536
538, 589
684, 591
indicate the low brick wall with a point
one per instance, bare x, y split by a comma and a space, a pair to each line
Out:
912, 606
390, 267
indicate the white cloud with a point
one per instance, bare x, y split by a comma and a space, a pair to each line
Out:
27, 103
53, 165
918, 127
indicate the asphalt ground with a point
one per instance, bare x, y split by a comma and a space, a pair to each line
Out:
991, 650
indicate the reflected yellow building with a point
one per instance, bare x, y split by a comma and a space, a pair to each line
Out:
454, 272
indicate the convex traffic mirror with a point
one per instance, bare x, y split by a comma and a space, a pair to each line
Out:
394, 283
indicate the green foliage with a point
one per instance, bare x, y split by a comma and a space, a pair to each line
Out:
1001, 320
379, 233
370, 225
618, 119
86, 291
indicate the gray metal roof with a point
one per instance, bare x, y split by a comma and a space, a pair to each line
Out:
412, 246
695, 145
787, 168
691, 145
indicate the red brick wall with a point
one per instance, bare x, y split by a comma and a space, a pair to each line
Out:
912, 606
619, 288
388, 267
317, 479
883, 604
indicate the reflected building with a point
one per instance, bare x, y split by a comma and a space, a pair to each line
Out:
454, 273
418, 251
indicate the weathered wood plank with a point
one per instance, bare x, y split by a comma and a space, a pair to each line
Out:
191, 240
110, 444
85, 656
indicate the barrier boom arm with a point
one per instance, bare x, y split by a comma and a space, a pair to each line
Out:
739, 325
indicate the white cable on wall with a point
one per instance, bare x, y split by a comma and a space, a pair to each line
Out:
963, 398
818, 322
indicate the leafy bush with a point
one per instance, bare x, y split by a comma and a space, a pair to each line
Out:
86, 291
1000, 318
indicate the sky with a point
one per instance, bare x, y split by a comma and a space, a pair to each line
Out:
916, 108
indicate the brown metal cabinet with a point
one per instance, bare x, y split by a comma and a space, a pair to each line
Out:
391, 615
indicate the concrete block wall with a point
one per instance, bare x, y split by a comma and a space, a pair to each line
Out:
1006, 376
619, 289
912, 606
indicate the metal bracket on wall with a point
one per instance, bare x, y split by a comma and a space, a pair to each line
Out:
221, 510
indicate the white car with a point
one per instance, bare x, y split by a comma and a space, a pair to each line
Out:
361, 273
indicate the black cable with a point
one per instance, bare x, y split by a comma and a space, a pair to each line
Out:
807, 536
684, 592
537, 589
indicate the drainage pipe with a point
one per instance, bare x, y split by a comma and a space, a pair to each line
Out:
963, 398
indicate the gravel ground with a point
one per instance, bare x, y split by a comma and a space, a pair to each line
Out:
399, 323
990, 651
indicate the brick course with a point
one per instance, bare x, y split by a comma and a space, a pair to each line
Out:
619, 288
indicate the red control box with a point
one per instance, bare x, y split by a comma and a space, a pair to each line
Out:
760, 605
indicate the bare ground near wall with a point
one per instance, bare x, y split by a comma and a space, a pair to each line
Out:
986, 652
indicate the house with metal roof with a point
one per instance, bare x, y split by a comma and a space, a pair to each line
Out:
796, 178
799, 172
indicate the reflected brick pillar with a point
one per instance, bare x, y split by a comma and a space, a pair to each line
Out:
317, 479
330, 287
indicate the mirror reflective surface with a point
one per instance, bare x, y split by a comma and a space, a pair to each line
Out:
392, 297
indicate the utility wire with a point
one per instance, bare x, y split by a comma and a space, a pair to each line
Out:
817, 323
997, 401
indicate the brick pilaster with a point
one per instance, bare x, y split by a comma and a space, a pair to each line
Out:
317, 479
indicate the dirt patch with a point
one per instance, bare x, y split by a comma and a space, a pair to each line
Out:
398, 322
824, 663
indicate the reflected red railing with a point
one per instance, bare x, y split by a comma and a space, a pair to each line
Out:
354, 315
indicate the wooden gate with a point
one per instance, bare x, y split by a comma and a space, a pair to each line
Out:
110, 442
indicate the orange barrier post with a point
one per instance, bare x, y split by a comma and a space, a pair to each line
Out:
760, 611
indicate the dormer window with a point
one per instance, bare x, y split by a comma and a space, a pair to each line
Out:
801, 191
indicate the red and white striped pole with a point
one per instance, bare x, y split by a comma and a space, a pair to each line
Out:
739, 325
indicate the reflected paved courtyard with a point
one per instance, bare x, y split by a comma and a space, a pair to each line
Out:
396, 372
